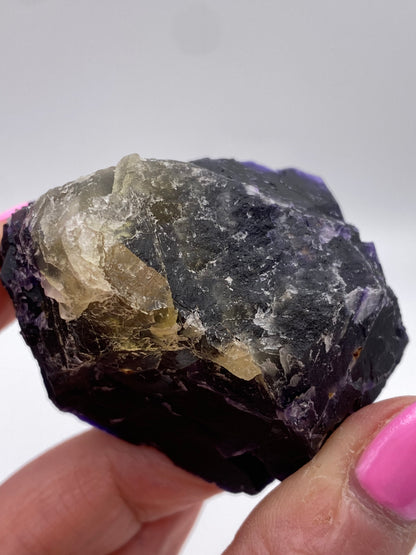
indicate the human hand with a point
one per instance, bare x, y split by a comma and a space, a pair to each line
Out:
96, 494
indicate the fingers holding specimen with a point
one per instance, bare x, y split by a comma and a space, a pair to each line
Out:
95, 494
332, 506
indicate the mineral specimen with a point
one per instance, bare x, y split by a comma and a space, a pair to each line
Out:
219, 311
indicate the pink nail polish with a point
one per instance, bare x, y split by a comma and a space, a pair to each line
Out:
387, 468
6, 215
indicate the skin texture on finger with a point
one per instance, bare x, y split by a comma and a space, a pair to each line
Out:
322, 510
95, 494
164, 537
7, 314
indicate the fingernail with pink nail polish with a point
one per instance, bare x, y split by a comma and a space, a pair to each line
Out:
6, 215
387, 468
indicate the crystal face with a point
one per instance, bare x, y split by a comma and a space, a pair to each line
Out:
221, 312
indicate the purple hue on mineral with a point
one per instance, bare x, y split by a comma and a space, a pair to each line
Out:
256, 167
221, 312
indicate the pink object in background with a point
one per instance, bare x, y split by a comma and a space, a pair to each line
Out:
387, 468
6, 215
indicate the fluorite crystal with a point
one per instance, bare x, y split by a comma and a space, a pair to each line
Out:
219, 311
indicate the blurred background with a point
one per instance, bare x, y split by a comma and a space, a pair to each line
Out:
327, 87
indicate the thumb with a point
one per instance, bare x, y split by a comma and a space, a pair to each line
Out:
357, 496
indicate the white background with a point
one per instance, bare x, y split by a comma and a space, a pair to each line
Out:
328, 87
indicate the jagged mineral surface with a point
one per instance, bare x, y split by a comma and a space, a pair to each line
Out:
222, 312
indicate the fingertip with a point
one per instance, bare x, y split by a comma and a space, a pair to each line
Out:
386, 469
326, 508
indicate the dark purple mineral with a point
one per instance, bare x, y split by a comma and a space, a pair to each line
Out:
221, 312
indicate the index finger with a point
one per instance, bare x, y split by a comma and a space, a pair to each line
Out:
98, 494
